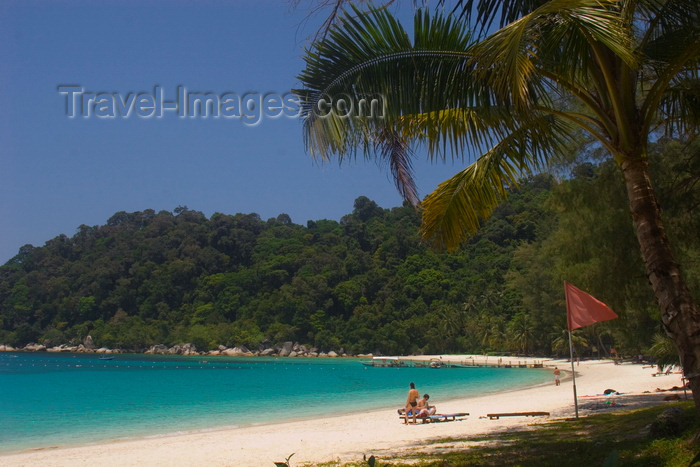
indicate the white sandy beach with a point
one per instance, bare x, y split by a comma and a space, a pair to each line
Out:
380, 433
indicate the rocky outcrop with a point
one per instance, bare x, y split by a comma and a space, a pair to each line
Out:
34, 347
237, 352
288, 349
158, 349
64, 348
179, 349
88, 343
184, 349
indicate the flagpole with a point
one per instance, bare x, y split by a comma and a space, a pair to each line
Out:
582, 309
573, 372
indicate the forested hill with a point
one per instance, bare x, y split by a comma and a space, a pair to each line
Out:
364, 284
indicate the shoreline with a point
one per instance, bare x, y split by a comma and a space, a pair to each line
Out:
347, 437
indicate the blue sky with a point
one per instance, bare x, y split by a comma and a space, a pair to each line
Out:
57, 173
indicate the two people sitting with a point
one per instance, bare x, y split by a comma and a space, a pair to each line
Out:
421, 409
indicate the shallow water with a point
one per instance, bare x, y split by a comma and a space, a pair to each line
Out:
49, 399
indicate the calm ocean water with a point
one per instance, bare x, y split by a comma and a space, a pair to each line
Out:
49, 399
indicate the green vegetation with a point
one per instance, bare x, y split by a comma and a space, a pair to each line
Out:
610, 439
364, 284
620, 72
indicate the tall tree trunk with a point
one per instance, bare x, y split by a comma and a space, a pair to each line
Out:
679, 313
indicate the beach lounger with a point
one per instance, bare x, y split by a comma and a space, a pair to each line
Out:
448, 417
438, 417
423, 418
496, 416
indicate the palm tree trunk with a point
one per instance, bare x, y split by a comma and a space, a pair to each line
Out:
679, 313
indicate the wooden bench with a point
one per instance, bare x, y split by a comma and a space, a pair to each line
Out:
496, 416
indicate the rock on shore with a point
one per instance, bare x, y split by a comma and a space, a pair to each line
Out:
287, 349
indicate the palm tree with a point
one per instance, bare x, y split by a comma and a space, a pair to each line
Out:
560, 343
492, 331
521, 332
622, 71
663, 351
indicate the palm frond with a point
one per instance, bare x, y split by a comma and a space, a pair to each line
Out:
370, 55
680, 106
457, 132
663, 351
671, 78
454, 211
663, 25
396, 152
555, 36
485, 12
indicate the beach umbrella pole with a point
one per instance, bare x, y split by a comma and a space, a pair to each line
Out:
573, 373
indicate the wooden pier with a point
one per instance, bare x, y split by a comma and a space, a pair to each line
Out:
469, 362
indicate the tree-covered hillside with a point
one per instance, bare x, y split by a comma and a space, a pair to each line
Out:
364, 284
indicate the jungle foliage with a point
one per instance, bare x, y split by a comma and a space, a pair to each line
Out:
364, 284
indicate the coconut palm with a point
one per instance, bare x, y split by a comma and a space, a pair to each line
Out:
561, 343
663, 351
622, 71
521, 332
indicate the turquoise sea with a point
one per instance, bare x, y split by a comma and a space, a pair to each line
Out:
59, 399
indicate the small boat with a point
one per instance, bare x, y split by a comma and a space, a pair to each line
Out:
106, 357
435, 363
385, 362
442, 364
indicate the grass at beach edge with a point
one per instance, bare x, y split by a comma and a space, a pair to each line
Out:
601, 439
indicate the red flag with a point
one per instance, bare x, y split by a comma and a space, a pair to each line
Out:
583, 309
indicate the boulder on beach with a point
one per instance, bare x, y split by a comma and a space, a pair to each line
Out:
88, 343
34, 347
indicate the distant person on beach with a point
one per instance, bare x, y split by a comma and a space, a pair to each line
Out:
557, 374
412, 402
424, 408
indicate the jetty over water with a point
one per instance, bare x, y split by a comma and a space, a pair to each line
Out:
467, 362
